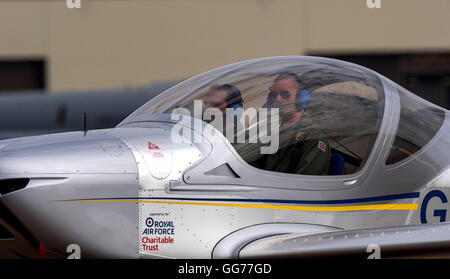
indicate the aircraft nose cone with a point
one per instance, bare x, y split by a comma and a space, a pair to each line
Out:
66, 153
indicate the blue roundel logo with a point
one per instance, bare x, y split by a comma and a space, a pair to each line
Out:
149, 222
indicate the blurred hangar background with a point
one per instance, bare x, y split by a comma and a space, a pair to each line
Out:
109, 57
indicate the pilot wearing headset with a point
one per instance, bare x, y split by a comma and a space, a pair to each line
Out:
303, 148
223, 97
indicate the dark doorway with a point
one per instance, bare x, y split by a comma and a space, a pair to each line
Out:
22, 75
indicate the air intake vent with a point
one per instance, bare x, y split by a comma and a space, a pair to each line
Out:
223, 170
10, 185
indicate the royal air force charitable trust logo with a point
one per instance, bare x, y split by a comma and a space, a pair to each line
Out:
157, 234
149, 222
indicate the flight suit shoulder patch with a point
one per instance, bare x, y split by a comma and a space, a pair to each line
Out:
322, 146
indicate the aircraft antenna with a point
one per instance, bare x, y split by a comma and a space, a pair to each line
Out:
85, 124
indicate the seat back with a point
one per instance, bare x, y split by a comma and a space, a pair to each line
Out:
336, 164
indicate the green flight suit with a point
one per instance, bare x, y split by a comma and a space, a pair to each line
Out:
303, 150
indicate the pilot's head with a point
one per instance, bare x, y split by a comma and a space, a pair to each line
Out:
222, 97
283, 94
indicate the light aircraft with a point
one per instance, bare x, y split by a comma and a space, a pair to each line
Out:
165, 184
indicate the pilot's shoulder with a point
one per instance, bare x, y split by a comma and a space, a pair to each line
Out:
316, 143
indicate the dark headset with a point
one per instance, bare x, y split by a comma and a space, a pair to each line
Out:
302, 97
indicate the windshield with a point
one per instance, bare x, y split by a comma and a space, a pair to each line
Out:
419, 122
301, 115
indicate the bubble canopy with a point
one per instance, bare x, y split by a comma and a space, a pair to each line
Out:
251, 75
345, 104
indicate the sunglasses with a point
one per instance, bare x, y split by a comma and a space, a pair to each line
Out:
283, 94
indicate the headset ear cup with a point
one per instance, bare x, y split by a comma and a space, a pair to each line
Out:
237, 110
302, 99
236, 106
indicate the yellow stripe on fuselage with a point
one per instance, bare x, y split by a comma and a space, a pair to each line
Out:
407, 206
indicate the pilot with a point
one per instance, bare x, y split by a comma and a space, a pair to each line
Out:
303, 149
223, 97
